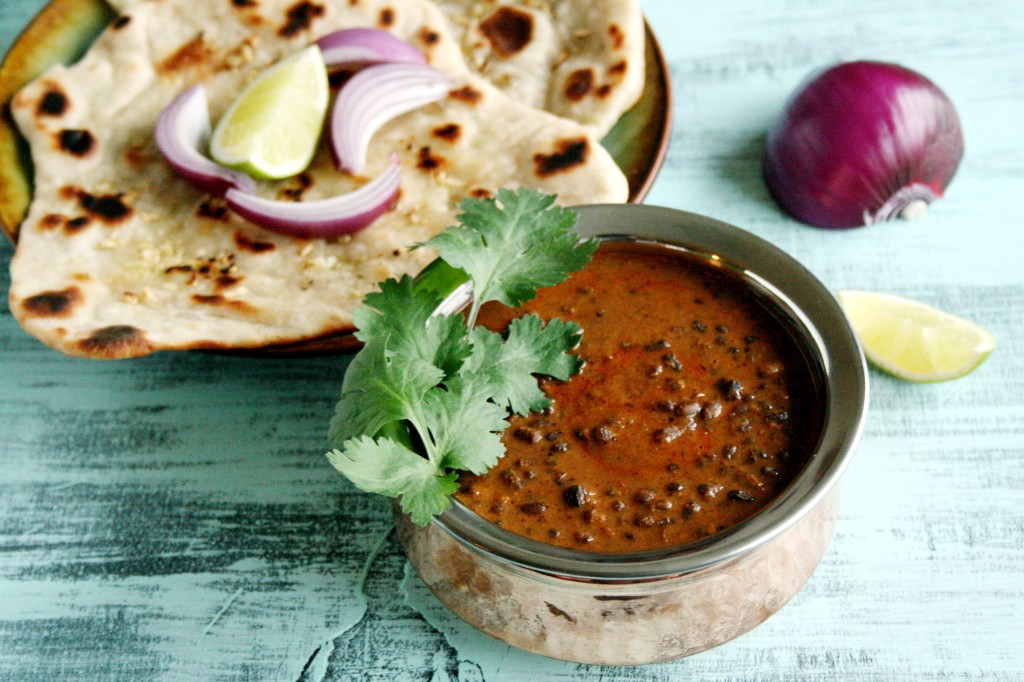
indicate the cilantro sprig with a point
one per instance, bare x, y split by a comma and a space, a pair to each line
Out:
428, 395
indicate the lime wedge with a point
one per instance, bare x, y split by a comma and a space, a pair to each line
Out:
915, 341
272, 128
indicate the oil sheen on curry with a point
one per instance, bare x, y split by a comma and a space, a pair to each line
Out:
695, 409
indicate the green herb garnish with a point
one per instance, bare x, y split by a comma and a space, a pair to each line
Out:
440, 382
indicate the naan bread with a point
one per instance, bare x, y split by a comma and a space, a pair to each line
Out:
119, 257
583, 60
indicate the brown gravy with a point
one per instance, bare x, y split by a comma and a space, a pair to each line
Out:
696, 408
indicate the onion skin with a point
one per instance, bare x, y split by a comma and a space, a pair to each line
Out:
323, 218
861, 143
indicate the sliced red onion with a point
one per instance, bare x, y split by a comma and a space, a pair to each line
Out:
861, 143
356, 46
323, 218
373, 97
182, 129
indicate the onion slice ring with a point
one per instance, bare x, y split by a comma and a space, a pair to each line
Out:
323, 218
361, 46
182, 129
374, 96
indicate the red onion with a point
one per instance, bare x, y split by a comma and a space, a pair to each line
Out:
181, 130
861, 143
356, 46
373, 97
324, 218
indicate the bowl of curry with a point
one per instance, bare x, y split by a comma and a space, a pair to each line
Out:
683, 487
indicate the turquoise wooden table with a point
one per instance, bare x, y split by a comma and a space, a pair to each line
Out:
173, 517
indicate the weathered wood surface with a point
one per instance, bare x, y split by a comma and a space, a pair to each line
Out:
173, 518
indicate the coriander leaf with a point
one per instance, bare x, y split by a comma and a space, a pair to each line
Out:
430, 380
389, 468
399, 307
465, 425
451, 336
548, 343
531, 348
380, 388
430, 499
512, 245
403, 313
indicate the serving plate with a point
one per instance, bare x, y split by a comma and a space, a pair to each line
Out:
65, 29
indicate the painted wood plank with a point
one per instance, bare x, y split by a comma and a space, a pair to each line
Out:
173, 517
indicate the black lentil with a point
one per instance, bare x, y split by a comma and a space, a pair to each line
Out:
575, 496
527, 435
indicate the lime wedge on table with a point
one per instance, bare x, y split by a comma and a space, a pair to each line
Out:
915, 341
272, 128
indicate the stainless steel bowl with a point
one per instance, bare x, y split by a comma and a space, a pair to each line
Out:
627, 609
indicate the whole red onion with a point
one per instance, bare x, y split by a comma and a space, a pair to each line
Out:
860, 143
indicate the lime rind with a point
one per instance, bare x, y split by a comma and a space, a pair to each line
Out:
272, 129
915, 341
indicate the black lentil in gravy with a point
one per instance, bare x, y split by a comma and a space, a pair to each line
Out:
695, 409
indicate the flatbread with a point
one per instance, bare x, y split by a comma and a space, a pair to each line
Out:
580, 59
119, 257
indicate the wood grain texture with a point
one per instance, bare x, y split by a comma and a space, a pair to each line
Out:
172, 518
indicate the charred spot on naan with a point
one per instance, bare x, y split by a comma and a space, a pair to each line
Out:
51, 221
59, 304
120, 22
219, 272
218, 301
136, 157
71, 226
449, 132
568, 154
244, 4
298, 186
116, 341
429, 36
579, 84
108, 208
76, 142
195, 54
214, 209
508, 29
467, 95
386, 18
300, 17
223, 282
54, 103
617, 36
244, 243
75, 225
427, 160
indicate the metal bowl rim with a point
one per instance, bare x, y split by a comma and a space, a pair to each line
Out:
832, 344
